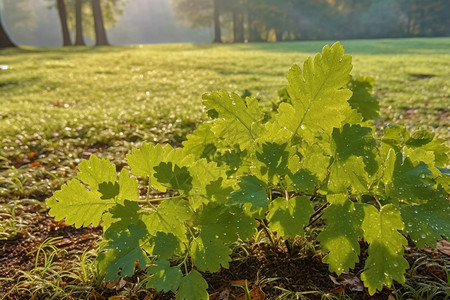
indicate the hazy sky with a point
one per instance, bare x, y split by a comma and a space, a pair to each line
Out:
144, 21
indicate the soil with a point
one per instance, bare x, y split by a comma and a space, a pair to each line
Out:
266, 270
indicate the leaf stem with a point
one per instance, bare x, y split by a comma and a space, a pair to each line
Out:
147, 197
267, 231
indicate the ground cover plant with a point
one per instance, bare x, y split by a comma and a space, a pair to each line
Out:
94, 135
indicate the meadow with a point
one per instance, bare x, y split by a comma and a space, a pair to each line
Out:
58, 106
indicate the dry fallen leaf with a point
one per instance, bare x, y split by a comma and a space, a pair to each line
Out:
256, 293
444, 247
96, 296
223, 295
348, 280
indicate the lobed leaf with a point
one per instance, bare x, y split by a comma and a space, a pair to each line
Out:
78, 206
163, 277
385, 262
289, 217
95, 171
318, 93
427, 223
193, 287
340, 237
239, 121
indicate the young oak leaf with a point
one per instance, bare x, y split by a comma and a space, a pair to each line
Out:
165, 245
218, 220
193, 287
239, 120
340, 236
354, 152
312, 111
95, 171
209, 252
170, 217
143, 160
163, 277
173, 176
251, 195
77, 205
288, 217
429, 222
122, 252
362, 100
408, 183
385, 262
274, 158
128, 187
199, 142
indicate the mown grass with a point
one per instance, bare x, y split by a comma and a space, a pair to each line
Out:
58, 106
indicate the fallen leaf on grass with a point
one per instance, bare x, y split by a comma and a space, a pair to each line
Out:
444, 247
35, 164
31, 154
96, 296
242, 282
223, 295
256, 293
348, 280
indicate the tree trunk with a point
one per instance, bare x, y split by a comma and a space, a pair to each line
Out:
238, 26
100, 32
63, 18
253, 34
217, 30
5, 41
79, 40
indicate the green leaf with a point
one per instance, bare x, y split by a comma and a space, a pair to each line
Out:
289, 217
251, 195
275, 158
340, 236
96, 171
355, 162
163, 277
239, 121
304, 181
77, 205
109, 190
123, 250
209, 252
170, 217
143, 160
204, 176
362, 100
199, 142
423, 141
218, 220
385, 262
165, 245
429, 222
128, 187
193, 287
173, 176
318, 93
121, 216
409, 184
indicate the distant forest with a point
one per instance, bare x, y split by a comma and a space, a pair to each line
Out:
52, 23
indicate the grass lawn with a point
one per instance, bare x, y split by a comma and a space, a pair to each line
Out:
58, 106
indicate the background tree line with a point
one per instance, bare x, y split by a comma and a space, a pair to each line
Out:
226, 20
281, 20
